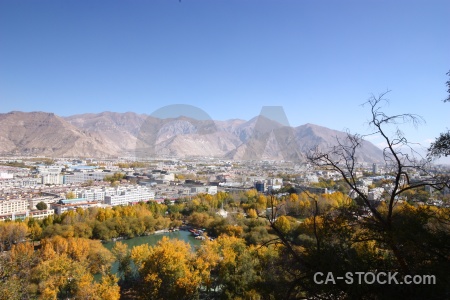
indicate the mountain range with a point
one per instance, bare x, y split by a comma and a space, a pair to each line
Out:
110, 134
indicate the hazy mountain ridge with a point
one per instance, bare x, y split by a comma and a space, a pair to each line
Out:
110, 134
40, 133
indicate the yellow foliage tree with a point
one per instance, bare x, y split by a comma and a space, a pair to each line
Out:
252, 213
167, 270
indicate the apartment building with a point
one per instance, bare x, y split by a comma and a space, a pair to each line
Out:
82, 177
13, 206
19, 182
204, 189
46, 199
19, 209
51, 174
130, 195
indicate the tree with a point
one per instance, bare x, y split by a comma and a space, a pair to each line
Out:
448, 88
399, 156
116, 177
252, 213
41, 205
230, 269
59, 269
378, 235
15, 271
167, 270
441, 146
283, 225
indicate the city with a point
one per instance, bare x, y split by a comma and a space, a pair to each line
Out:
229, 150
82, 183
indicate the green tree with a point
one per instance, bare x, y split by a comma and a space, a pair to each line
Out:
41, 205
448, 88
441, 146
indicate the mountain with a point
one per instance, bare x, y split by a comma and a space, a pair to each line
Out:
40, 133
118, 131
309, 136
183, 137
110, 134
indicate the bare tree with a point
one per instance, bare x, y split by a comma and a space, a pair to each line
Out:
399, 156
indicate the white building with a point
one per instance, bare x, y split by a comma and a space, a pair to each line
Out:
6, 176
19, 209
82, 177
73, 205
363, 189
51, 174
275, 181
19, 182
40, 214
93, 194
204, 189
375, 194
46, 199
131, 195
13, 206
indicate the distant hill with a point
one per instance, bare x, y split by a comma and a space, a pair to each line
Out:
110, 134
40, 133
117, 131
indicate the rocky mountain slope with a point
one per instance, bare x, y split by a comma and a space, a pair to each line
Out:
39, 133
110, 134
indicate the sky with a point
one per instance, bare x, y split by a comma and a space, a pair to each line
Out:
318, 60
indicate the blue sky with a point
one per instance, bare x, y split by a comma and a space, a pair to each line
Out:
319, 60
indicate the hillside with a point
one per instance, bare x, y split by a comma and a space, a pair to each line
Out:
110, 134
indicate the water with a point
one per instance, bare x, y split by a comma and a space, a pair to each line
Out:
152, 240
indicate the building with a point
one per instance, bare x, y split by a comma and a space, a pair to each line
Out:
204, 189
95, 194
131, 195
51, 174
13, 206
40, 214
375, 194
6, 176
82, 177
375, 169
20, 182
310, 189
46, 199
259, 186
67, 205
19, 209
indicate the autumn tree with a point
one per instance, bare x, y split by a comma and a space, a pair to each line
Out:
15, 269
167, 270
341, 237
60, 269
70, 195
232, 266
12, 233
